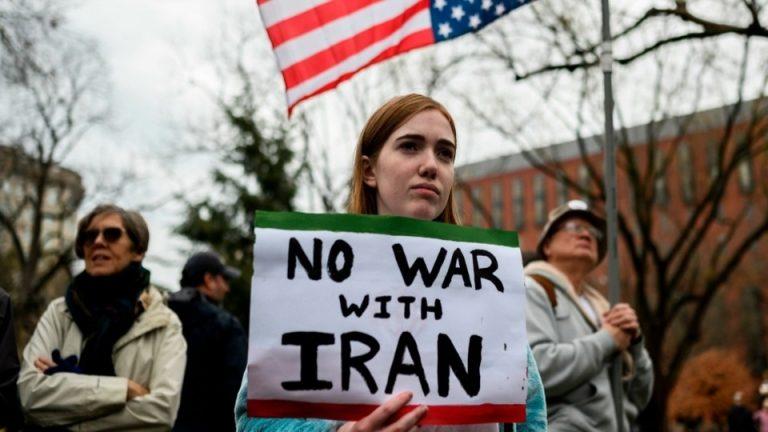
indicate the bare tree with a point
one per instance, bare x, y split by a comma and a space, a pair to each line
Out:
54, 92
672, 60
673, 57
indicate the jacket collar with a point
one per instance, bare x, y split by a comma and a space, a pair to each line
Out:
561, 281
155, 316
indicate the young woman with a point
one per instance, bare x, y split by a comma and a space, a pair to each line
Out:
403, 166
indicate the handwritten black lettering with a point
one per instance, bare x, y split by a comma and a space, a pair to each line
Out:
406, 342
409, 272
348, 309
382, 313
343, 248
348, 362
309, 343
436, 308
485, 272
448, 360
458, 265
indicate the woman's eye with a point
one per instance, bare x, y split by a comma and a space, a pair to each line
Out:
408, 146
446, 153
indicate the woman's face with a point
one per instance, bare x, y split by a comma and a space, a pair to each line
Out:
413, 173
107, 248
574, 241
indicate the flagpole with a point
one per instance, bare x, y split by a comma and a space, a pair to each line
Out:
606, 64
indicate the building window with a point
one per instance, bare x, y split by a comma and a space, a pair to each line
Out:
746, 182
478, 213
660, 182
497, 205
51, 198
562, 189
713, 156
518, 204
713, 167
539, 199
685, 166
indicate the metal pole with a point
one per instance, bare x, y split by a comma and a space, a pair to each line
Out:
606, 63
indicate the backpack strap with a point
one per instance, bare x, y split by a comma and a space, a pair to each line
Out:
549, 288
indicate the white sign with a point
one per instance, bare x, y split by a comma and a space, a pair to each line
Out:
347, 311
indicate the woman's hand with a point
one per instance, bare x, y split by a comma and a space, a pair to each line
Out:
43, 363
620, 337
135, 390
625, 318
378, 420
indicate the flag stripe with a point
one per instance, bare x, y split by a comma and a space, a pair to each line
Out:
321, 38
307, 21
319, 43
413, 35
416, 40
324, 60
274, 11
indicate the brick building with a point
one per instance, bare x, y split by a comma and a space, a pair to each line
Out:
19, 177
507, 192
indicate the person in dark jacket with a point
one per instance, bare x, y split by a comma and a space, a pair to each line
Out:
739, 416
10, 409
216, 346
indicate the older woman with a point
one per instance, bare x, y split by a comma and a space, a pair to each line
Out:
404, 167
109, 355
575, 333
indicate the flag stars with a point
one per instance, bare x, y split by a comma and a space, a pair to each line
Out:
474, 21
452, 18
444, 30
457, 13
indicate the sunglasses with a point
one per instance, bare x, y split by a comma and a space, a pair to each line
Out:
109, 234
578, 228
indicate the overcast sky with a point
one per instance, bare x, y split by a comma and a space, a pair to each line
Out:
151, 48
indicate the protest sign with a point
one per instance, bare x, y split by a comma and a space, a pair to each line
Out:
348, 310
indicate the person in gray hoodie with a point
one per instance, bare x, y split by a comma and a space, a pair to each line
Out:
575, 333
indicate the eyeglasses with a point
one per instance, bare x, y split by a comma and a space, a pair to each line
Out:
578, 228
110, 235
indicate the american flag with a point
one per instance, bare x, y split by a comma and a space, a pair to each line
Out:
320, 43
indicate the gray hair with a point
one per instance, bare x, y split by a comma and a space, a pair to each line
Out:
134, 224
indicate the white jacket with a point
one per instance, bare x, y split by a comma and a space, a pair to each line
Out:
152, 353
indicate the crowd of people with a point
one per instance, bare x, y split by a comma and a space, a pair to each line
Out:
115, 354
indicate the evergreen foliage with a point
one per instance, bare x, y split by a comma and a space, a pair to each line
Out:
258, 172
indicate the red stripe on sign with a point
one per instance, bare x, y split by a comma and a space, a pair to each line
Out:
261, 1
436, 414
415, 40
312, 19
323, 60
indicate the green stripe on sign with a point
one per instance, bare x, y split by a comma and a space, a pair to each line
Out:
389, 225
